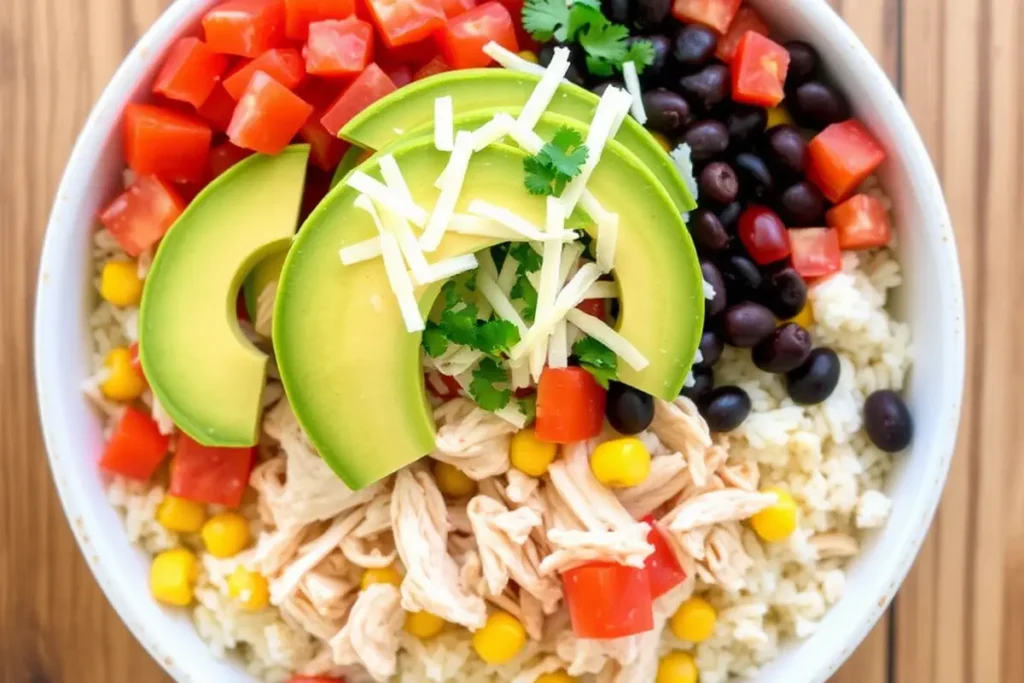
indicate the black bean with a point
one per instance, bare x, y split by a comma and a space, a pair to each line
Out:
707, 87
703, 382
786, 149
784, 350
713, 276
725, 408
755, 177
747, 323
816, 105
729, 215
742, 277
617, 10
662, 51
803, 63
629, 410
745, 125
719, 183
711, 346
706, 139
802, 205
887, 421
707, 231
816, 379
694, 45
667, 112
650, 14
604, 85
784, 292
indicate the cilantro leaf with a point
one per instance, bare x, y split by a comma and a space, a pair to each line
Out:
582, 15
546, 19
460, 324
435, 342
528, 405
597, 359
641, 53
566, 152
605, 42
484, 388
526, 256
524, 290
496, 337
541, 179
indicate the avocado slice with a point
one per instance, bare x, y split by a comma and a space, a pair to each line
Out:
470, 89
353, 374
198, 363
264, 273
352, 158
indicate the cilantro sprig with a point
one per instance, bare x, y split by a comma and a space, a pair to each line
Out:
529, 262
459, 324
490, 385
558, 162
597, 359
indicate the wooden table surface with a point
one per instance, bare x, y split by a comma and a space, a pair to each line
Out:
960, 616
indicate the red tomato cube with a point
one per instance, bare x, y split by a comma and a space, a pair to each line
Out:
159, 141
718, 14
746, 20
299, 14
453, 8
400, 75
218, 108
759, 71
432, 68
224, 156
815, 252
338, 48
142, 214
841, 157
662, 566
464, 37
401, 22
370, 86
607, 600
190, 72
284, 65
862, 222
136, 448
325, 150
268, 116
246, 28
570, 405
210, 475
414, 54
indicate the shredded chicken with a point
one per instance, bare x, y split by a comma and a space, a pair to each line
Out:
679, 426
727, 561
298, 611
370, 553
586, 656
667, 479
644, 668
521, 487
716, 507
372, 634
311, 554
474, 440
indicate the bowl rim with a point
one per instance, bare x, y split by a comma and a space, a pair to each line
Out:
87, 526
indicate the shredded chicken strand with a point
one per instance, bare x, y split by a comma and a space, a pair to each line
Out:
372, 634
679, 426
474, 440
644, 668
716, 507
727, 561
667, 479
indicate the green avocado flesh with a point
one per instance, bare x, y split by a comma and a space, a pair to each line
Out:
353, 373
198, 363
472, 89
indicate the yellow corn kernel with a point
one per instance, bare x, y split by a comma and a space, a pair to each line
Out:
181, 515
120, 283
172, 576
662, 140
452, 481
805, 318
777, 522
249, 588
530, 455
123, 382
694, 621
423, 624
226, 534
529, 56
621, 463
677, 667
500, 640
382, 575
778, 116
556, 677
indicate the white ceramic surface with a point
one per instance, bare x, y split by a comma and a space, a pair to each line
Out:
931, 301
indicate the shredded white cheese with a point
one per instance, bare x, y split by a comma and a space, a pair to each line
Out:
442, 270
501, 304
541, 96
683, 161
604, 333
602, 289
510, 60
360, 251
558, 351
444, 209
550, 274
613, 103
492, 131
444, 124
632, 79
507, 276
488, 268
393, 177
505, 217
520, 375
385, 196
568, 298
607, 237
398, 277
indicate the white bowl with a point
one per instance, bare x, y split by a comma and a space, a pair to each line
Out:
931, 302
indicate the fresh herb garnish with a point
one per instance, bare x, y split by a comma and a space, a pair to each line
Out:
529, 262
489, 387
558, 162
496, 337
528, 404
526, 256
459, 324
597, 359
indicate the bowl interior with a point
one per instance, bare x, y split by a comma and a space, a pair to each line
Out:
930, 300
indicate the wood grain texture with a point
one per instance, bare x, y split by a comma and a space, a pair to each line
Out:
960, 616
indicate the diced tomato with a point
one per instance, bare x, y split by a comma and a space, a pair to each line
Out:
133, 351
515, 8
162, 142
763, 234
841, 157
453, 8
594, 307
815, 251
210, 475
325, 150
338, 48
190, 72
400, 75
570, 405
401, 22
189, 191
413, 54
464, 37
319, 92
141, 215
718, 14
662, 566
247, 28
218, 109
315, 679
370, 86
435, 66
299, 14
224, 156
862, 222
451, 387
608, 600
268, 116
759, 70
746, 20
318, 184
284, 65
136, 448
